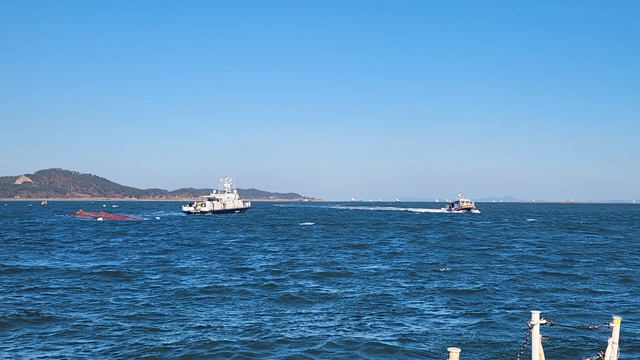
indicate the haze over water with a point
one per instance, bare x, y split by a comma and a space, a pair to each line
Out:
315, 281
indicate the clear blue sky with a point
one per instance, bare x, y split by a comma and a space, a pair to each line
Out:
332, 99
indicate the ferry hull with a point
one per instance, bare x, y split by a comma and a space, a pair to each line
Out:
464, 208
223, 211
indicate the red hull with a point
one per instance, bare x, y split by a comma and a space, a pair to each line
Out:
102, 215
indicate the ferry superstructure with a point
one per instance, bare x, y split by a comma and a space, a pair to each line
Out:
223, 201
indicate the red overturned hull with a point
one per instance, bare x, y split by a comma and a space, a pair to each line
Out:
102, 215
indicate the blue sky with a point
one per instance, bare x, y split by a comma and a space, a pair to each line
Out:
332, 99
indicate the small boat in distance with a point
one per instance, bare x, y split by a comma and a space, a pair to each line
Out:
461, 204
223, 201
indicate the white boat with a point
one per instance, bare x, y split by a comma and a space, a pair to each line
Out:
461, 204
223, 201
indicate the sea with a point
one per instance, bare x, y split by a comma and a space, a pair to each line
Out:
316, 280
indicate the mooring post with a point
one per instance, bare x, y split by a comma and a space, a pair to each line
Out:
612, 347
536, 340
454, 353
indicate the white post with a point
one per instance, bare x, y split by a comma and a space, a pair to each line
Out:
536, 340
454, 353
612, 347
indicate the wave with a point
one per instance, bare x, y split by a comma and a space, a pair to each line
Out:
306, 224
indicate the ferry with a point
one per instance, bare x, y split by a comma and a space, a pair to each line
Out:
461, 204
223, 201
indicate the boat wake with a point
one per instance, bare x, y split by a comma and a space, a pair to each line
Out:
380, 208
393, 208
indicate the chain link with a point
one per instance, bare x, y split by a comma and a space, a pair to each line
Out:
600, 356
526, 340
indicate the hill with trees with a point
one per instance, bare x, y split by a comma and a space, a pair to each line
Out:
66, 184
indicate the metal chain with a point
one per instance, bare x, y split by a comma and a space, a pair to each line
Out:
526, 340
600, 356
590, 327
544, 321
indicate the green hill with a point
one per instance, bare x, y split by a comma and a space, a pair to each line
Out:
65, 184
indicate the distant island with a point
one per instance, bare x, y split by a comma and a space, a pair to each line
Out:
65, 184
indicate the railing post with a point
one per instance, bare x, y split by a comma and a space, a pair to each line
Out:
454, 353
536, 341
612, 347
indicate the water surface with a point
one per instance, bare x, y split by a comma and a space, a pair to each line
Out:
315, 280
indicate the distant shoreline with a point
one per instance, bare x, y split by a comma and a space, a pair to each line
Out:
319, 200
172, 200
557, 202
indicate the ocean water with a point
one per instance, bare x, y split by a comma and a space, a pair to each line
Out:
315, 281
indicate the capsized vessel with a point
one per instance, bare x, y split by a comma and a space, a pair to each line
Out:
461, 204
223, 201
101, 215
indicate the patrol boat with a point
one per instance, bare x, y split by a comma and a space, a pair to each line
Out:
461, 204
223, 201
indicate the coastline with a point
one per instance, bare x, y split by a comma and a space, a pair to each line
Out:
559, 202
171, 200
310, 200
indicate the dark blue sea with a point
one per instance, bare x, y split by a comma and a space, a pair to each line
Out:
315, 281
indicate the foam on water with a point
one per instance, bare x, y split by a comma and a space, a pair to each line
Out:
306, 224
